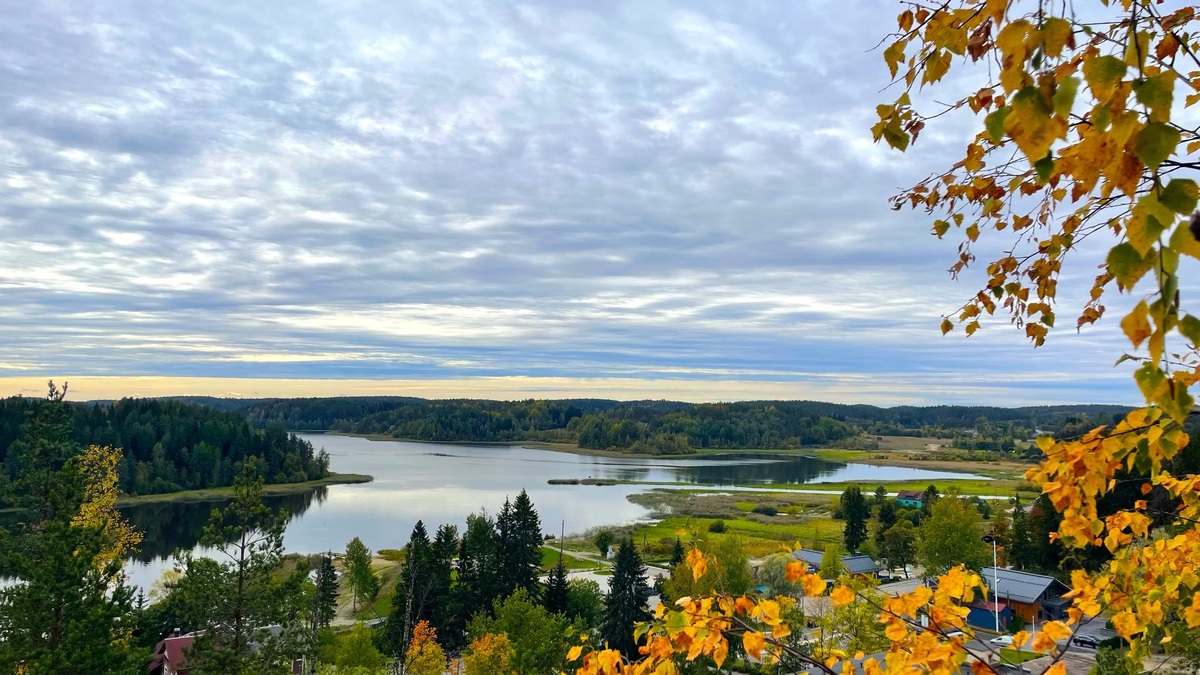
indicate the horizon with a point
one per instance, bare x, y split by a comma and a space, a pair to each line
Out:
119, 388
677, 200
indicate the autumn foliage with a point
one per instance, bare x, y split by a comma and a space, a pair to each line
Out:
1081, 132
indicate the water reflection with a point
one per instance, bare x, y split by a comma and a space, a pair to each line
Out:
172, 526
444, 483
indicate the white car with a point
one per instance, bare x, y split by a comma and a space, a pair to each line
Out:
1003, 640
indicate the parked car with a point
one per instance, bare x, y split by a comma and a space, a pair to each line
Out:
955, 634
1003, 640
1086, 641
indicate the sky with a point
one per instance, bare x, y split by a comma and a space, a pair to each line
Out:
652, 199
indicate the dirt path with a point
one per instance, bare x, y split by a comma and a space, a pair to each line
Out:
386, 570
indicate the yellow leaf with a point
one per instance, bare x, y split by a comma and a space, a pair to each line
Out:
697, 562
795, 571
574, 652
1137, 325
1055, 33
1032, 124
1058, 668
841, 596
813, 585
754, 642
1057, 630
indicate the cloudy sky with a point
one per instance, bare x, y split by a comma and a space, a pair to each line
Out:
672, 199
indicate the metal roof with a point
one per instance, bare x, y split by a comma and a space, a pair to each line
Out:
1020, 586
854, 564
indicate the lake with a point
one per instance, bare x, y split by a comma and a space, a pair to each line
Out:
443, 483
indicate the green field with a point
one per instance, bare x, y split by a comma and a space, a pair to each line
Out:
759, 538
550, 559
217, 494
1016, 657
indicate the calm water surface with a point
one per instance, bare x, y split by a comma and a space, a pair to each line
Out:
440, 483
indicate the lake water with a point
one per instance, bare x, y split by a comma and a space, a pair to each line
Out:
440, 483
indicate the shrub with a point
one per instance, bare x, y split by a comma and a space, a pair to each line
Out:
717, 526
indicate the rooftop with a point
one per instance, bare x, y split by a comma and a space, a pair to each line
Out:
1024, 587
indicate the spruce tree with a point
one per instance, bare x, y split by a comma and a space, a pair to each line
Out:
885, 518
520, 545
65, 605
445, 620
414, 588
855, 512
327, 592
628, 596
554, 595
677, 553
478, 567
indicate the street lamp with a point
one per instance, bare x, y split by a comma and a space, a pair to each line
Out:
987, 538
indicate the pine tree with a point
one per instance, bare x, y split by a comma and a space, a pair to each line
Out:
554, 595
855, 512
628, 596
248, 593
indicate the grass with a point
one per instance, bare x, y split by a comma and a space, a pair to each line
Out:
550, 559
221, 493
1016, 657
760, 538
965, 486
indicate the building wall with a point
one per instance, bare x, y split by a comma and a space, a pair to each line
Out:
1026, 611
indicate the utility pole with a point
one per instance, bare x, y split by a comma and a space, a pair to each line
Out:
995, 580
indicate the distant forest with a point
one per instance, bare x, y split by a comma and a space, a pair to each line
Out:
167, 445
667, 427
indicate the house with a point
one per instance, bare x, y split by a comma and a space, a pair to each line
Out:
1033, 597
913, 499
982, 614
169, 656
856, 565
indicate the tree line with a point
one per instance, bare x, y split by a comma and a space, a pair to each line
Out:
165, 445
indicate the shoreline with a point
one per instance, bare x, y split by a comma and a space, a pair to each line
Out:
226, 493
996, 470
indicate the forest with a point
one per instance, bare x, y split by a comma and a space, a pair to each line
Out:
668, 427
166, 445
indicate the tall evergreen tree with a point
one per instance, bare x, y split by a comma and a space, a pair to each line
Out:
554, 595
1019, 550
855, 512
67, 603
326, 593
445, 617
677, 552
414, 590
885, 518
478, 567
520, 545
628, 596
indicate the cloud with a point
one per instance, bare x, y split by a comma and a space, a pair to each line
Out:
452, 192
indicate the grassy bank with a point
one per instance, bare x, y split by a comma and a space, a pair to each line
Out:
216, 494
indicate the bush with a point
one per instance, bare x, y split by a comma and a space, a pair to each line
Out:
765, 510
717, 526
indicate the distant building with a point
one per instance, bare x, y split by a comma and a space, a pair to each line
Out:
982, 614
1033, 597
169, 656
856, 565
913, 499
